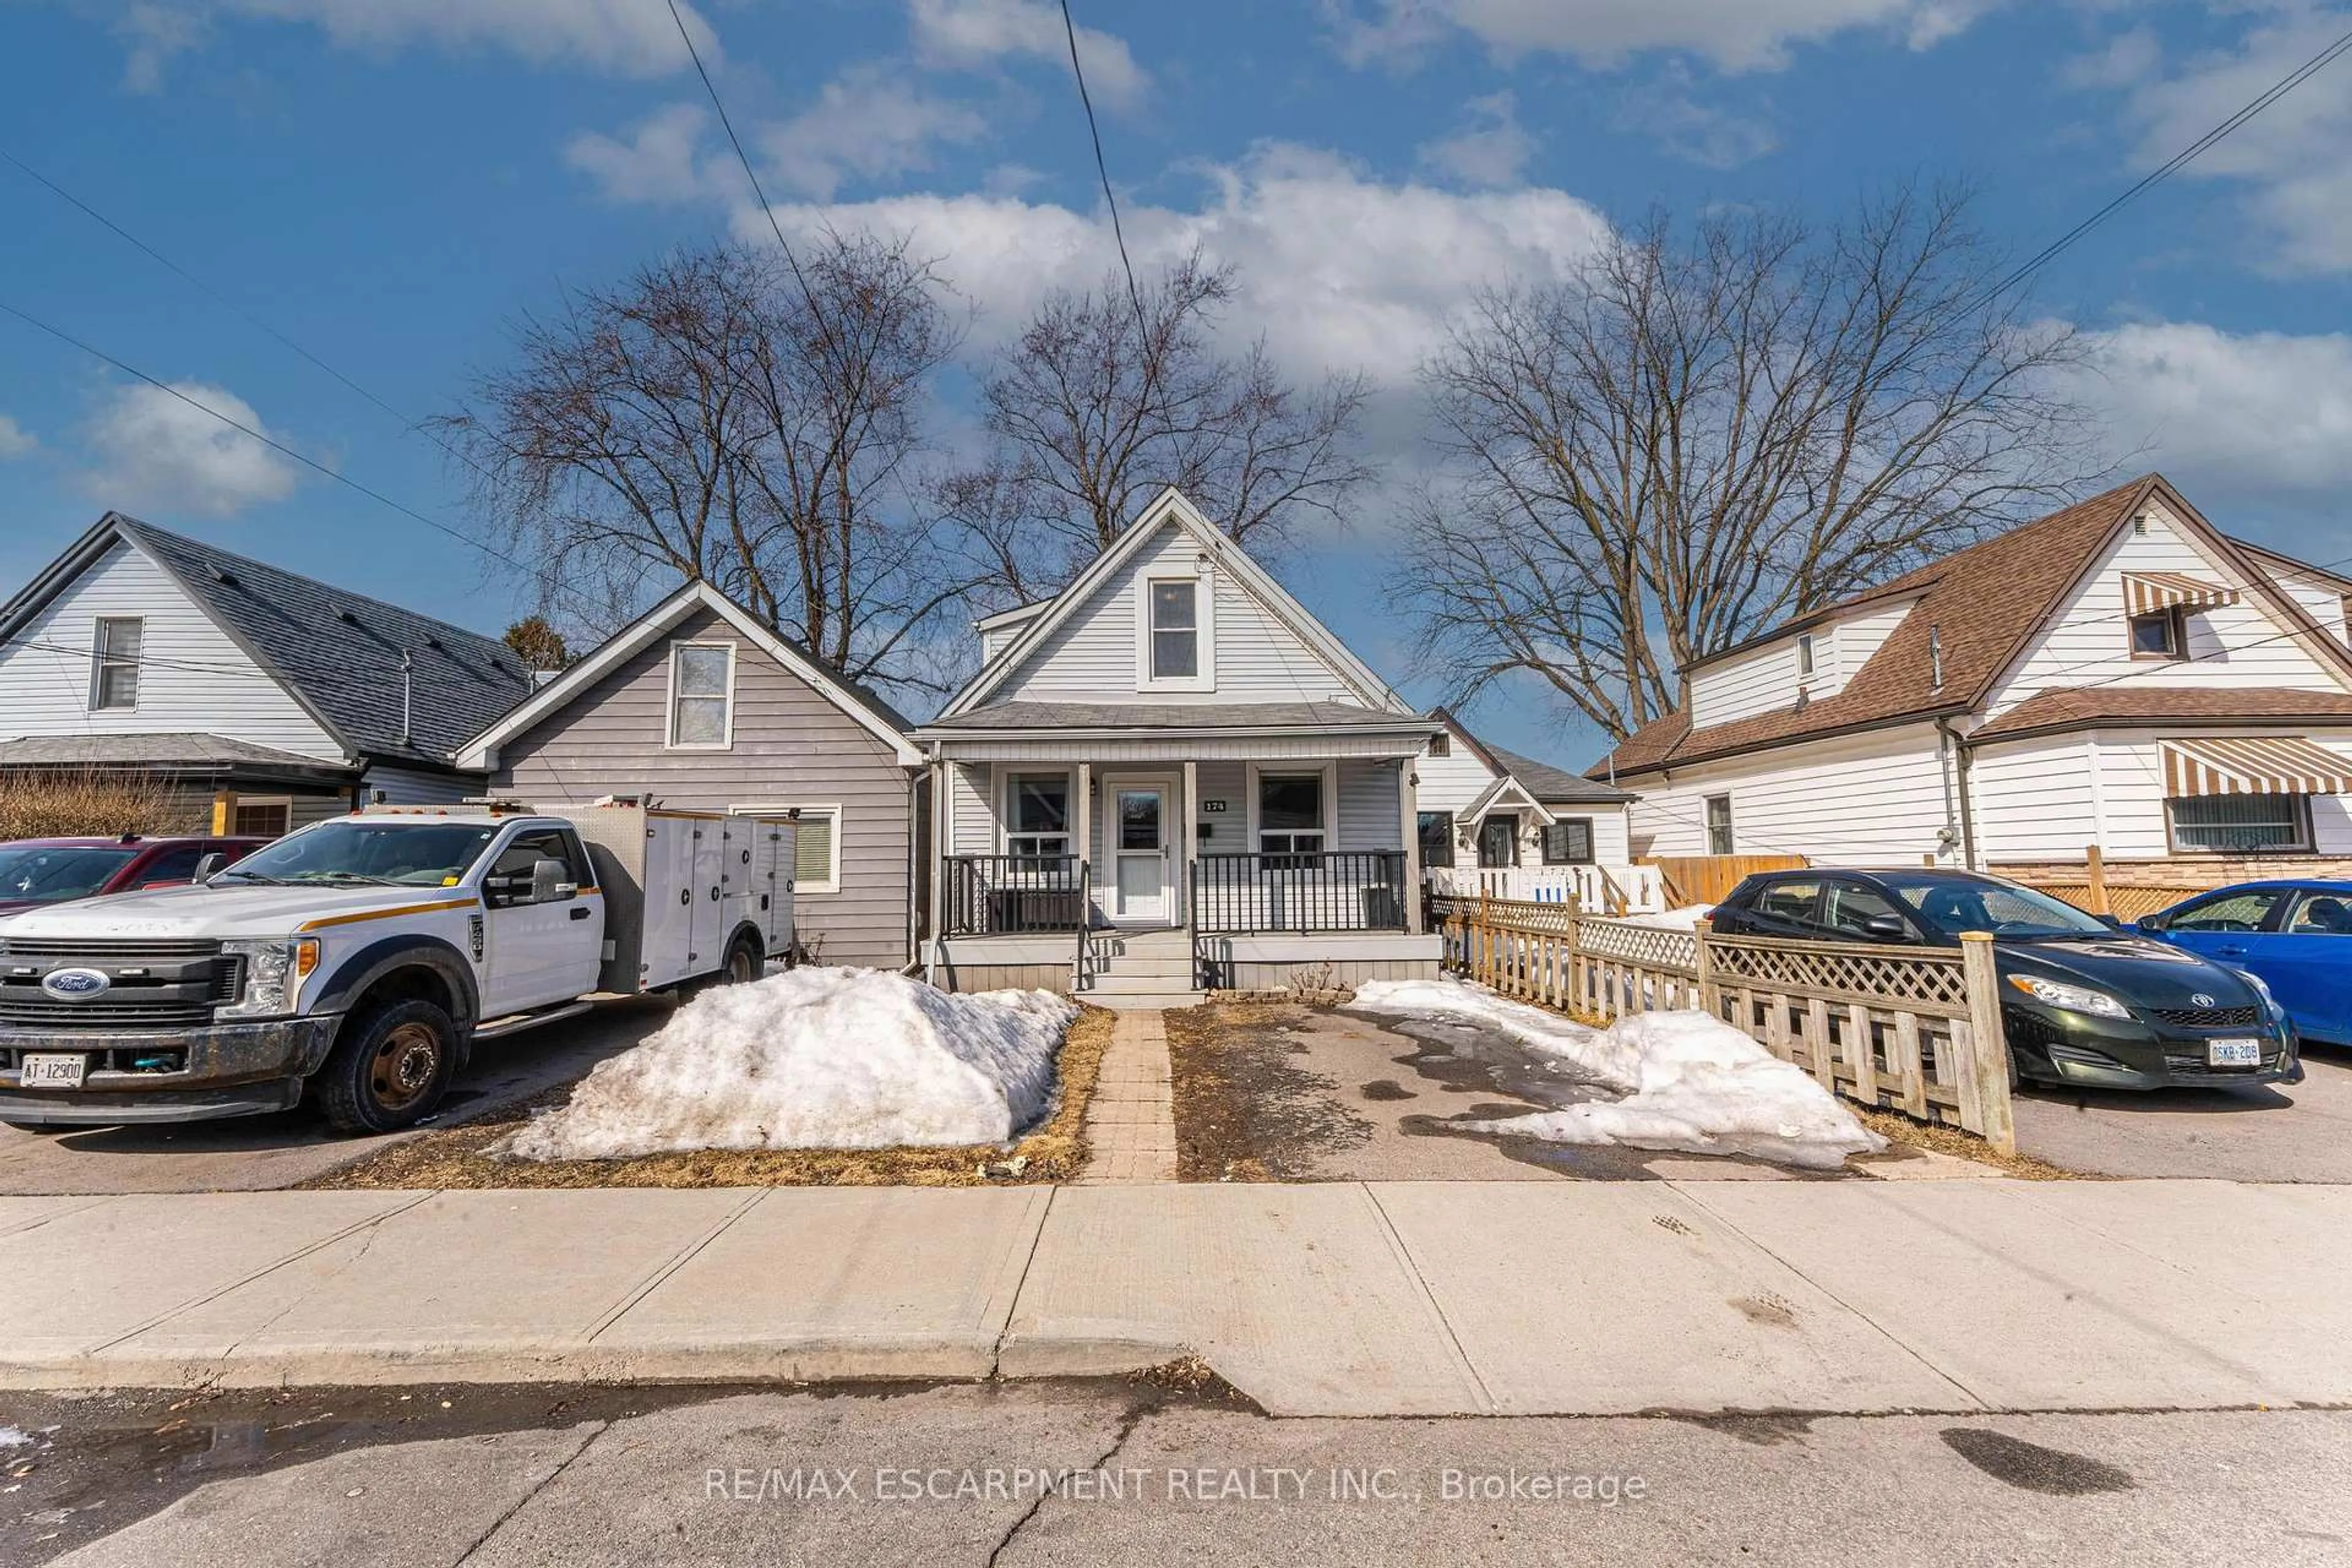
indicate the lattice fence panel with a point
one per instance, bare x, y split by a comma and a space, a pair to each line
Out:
1933, 979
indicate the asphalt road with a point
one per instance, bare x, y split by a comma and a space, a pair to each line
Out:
253, 1153
646, 1477
2286, 1133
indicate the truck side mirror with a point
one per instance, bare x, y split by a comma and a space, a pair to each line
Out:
551, 882
206, 866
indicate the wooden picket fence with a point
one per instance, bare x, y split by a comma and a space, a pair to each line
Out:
1915, 1030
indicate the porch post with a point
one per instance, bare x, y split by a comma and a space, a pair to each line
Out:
1409, 824
1188, 844
1084, 844
942, 846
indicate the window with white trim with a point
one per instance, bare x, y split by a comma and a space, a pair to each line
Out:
1718, 824
701, 695
816, 843
1038, 815
1804, 656
2239, 823
114, 662
1289, 816
1175, 628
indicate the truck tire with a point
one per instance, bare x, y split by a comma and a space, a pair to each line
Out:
745, 962
389, 1068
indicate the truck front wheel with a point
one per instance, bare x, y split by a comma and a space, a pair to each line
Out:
388, 1069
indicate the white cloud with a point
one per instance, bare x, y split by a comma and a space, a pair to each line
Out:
1339, 271
623, 38
659, 162
872, 122
1491, 148
2265, 414
1671, 113
15, 441
963, 34
1749, 35
2294, 161
150, 450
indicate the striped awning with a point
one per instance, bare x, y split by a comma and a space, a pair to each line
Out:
2271, 764
2147, 593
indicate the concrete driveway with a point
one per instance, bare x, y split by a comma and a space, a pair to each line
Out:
2286, 1133
254, 1154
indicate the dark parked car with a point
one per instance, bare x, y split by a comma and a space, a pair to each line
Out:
2296, 935
51, 871
2083, 1000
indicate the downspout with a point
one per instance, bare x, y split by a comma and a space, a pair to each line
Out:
1956, 784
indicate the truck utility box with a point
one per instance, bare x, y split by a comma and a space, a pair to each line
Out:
676, 883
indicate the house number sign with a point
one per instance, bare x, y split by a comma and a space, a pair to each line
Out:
1213, 805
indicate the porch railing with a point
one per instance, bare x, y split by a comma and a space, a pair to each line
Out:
1009, 895
1617, 889
1338, 890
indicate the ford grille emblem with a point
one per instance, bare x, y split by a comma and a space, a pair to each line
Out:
75, 984
2202, 1000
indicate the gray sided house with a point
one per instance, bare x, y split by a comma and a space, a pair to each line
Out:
261, 700
696, 706
1172, 777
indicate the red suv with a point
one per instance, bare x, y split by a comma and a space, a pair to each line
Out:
51, 871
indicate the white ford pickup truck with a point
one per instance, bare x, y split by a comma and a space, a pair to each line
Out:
358, 961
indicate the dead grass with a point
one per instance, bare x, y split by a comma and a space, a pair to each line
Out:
74, 804
1055, 1151
1897, 1128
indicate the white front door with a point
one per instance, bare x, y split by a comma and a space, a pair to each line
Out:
1141, 831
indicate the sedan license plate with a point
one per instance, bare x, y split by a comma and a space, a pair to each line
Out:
2233, 1053
51, 1071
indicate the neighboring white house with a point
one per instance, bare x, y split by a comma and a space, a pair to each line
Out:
1494, 822
1174, 756
263, 698
2119, 674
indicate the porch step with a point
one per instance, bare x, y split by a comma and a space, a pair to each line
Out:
1152, 982
1143, 1000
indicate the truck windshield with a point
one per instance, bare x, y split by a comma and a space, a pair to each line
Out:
408, 854
44, 874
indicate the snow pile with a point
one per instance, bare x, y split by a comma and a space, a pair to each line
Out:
1684, 919
816, 1058
1690, 1081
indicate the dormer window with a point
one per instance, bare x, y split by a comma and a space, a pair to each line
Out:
2156, 635
1804, 657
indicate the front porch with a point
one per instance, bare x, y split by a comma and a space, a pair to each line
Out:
1621, 890
1155, 879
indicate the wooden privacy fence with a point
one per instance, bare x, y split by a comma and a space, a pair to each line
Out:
1709, 879
1910, 1029
2132, 896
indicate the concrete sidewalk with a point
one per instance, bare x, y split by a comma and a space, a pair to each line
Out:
1340, 1298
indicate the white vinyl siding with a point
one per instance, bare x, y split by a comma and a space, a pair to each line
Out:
194, 677
1451, 782
1868, 799
2046, 799
2235, 644
2322, 599
1092, 657
1767, 679
971, 821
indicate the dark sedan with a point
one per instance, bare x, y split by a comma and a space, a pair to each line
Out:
2082, 1001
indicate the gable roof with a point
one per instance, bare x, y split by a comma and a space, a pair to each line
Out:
1541, 781
1988, 602
336, 653
1170, 506
879, 718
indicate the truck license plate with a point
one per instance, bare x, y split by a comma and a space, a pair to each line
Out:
2233, 1053
51, 1071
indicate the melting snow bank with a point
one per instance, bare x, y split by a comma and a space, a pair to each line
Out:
1691, 1082
816, 1058
1684, 919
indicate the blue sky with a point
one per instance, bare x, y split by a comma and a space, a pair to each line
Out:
390, 183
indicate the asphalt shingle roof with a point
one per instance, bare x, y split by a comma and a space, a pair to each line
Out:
185, 751
2072, 707
341, 650
1176, 716
1548, 784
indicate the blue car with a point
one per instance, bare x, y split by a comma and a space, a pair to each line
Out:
2295, 936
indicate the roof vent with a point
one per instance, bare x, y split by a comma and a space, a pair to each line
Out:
344, 615
433, 642
222, 574
2140, 526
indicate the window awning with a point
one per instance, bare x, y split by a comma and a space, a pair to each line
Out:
2273, 764
2147, 593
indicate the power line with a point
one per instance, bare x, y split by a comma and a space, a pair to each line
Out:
407, 424
2180, 160
1070, 30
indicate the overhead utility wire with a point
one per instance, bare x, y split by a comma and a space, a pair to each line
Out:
1102, 169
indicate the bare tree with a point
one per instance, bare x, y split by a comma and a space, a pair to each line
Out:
1706, 431
739, 417
1108, 396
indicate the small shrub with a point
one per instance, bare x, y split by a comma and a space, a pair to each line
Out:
70, 804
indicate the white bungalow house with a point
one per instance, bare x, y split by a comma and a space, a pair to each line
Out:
2119, 674
1497, 823
1171, 775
